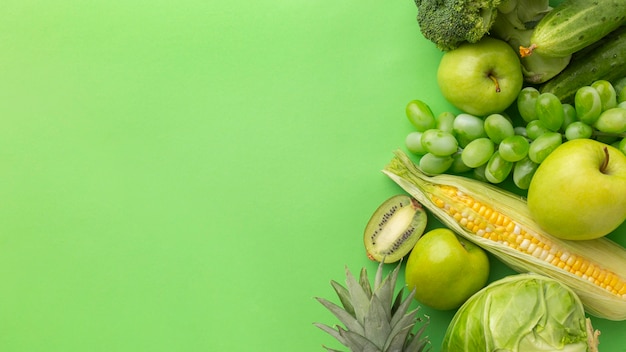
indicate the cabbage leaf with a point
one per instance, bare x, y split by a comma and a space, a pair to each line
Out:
521, 313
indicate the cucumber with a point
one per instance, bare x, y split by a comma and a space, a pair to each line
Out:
573, 25
606, 61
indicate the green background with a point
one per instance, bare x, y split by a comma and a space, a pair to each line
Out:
188, 175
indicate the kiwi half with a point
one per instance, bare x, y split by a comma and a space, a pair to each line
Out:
394, 228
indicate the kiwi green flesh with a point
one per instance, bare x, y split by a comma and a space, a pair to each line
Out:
394, 228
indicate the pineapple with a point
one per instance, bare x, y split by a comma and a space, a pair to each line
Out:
374, 321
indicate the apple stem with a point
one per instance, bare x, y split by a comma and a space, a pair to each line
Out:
605, 162
495, 80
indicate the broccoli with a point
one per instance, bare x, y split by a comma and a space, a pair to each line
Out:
448, 23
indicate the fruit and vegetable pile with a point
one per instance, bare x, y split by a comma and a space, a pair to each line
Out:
531, 169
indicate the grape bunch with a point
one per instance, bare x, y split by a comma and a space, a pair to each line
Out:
515, 143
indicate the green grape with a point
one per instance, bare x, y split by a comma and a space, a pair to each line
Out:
434, 165
413, 143
622, 105
622, 145
541, 147
616, 143
569, 115
420, 115
520, 131
588, 104
578, 130
619, 84
535, 129
607, 93
445, 122
497, 169
526, 103
612, 121
479, 173
550, 111
514, 148
606, 139
497, 127
523, 172
621, 96
467, 128
439, 143
458, 166
478, 152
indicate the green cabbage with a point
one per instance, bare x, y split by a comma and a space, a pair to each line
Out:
521, 313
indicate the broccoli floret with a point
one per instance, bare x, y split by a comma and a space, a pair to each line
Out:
448, 23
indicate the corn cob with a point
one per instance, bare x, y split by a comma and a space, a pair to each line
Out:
499, 222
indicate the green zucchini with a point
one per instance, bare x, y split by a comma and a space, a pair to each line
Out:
606, 61
573, 25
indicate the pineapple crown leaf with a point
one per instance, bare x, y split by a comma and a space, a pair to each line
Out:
397, 340
376, 322
348, 320
358, 296
331, 349
401, 330
357, 342
365, 283
344, 297
332, 332
397, 302
401, 308
418, 342
385, 289
378, 277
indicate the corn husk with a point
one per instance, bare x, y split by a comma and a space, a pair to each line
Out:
603, 252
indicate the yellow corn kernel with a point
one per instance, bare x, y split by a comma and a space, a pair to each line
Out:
507, 232
583, 266
577, 263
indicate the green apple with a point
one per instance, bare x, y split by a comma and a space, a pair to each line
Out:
445, 269
579, 191
481, 78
